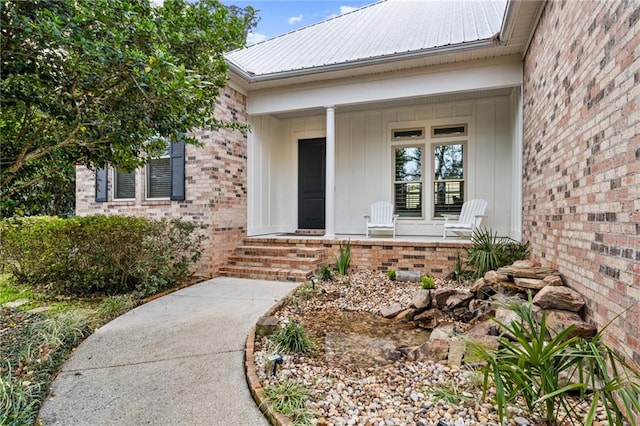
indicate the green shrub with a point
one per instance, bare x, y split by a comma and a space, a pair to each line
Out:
104, 254
532, 366
293, 338
427, 282
391, 274
325, 273
343, 259
488, 251
290, 398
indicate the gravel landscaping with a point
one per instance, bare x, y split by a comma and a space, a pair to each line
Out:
353, 382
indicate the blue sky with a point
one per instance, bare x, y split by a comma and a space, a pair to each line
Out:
280, 16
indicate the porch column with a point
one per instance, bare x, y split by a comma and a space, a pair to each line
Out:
330, 189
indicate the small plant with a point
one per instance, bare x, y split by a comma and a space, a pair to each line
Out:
114, 306
488, 251
325, 273
427, 282
531, 366
391, 274
449, 393
306, 290
290, 398
343, 259
294, 338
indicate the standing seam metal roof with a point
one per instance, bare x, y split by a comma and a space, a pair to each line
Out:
386, 28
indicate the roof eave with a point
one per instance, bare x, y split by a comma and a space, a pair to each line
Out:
380, 60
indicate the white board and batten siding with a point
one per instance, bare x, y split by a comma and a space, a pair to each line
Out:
364, 161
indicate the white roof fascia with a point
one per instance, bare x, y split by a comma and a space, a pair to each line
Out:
440, 50
493, 74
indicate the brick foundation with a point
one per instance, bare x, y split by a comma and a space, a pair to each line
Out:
216, 193
581, 209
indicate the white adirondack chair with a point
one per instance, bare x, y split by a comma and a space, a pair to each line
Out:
381, 217
469, 219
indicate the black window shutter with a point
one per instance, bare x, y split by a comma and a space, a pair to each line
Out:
177, 171
101, 185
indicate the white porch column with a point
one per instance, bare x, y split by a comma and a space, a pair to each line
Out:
330, 189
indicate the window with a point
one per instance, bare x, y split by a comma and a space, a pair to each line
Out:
159, 176
448, 131
124, 185
408, 181
448, 178
403, 134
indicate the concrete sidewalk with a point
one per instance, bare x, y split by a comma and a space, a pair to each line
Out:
178, 360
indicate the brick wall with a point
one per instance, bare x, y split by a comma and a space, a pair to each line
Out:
215, 194
581, 195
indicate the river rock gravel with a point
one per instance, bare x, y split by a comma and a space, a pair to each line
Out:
351, 384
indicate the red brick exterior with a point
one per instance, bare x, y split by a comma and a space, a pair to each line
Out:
215, 194
581, 195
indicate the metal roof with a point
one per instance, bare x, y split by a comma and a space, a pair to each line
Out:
387, 30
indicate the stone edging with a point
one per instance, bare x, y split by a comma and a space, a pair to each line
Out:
276, 419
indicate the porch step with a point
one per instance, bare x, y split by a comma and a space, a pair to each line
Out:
273, 259
270, 274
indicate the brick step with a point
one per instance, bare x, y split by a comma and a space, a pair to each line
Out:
279, 251
278, 262
280, 242
261, 273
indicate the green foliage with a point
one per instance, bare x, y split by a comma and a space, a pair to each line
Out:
294, 338
391, 274
533, 365
325, 273
290, 398
99, 254
344, 258
489, 252
449, 393
96, 82
31, 352
427, 282
306, 290
114, 306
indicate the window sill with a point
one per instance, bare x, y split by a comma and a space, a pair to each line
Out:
123, 202
156, 202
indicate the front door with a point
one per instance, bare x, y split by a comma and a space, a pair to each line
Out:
311, 183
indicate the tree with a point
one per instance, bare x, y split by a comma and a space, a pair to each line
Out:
96, 82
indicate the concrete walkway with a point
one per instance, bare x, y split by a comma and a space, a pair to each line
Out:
178, 360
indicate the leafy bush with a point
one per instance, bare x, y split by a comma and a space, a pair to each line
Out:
290, 398
391, 274
489, 252
293, 338
533, 366
427, 282
325, 273
343, 259
106, 254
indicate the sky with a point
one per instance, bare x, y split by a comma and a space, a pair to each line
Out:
282, 16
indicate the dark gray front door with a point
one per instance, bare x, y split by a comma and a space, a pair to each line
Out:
311, 183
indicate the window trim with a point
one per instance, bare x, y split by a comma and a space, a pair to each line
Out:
432, 179
395, 146
115, 186
405, 139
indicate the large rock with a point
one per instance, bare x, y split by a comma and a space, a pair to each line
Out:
430, 318
554, 280
506, 316
267, 325
557, 321
421, 299
435, 350
556, 297
440, 296
481, 329
529, 283
406, 315
443, 332
494, 278
391, 310
539, 272
526, 263
458, 299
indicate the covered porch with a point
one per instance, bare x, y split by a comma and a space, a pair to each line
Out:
320, 154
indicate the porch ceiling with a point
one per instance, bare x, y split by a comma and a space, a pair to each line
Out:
404, 102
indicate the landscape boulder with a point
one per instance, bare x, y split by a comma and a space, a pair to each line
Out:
391, 310
557, 321
421, 299
557, 297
